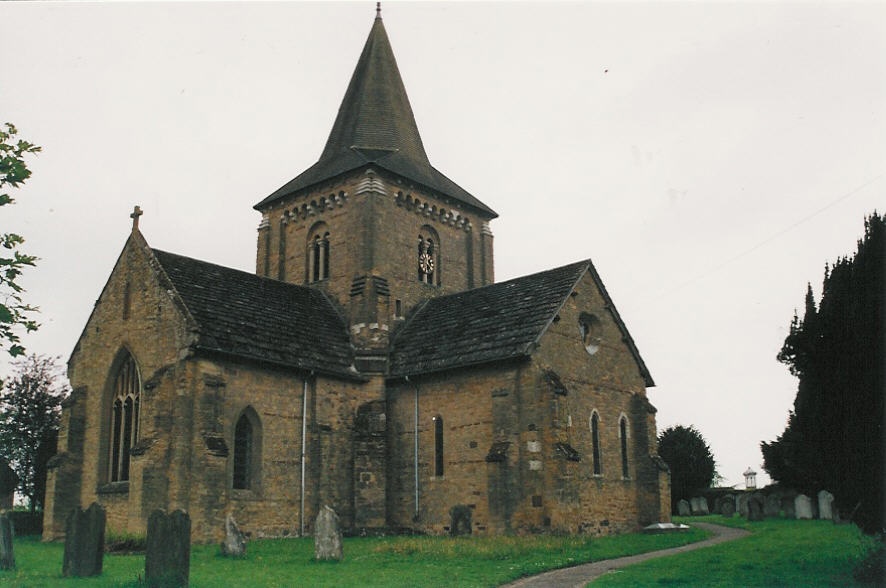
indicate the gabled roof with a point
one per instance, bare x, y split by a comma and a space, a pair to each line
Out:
375, 125
494, 323
253, 318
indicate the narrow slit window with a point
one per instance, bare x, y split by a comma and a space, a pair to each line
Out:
438, 446
595, 441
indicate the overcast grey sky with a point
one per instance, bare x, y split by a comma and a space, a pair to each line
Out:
709, 157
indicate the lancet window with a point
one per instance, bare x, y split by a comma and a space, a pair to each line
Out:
318, 254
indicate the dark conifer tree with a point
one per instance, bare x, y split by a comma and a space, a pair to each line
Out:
834, 437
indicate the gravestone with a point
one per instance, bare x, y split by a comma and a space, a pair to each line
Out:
699, 506
460, 520
234, 544
7, 557
84, 542
743, 504
756, 504
787, 505
727, 506
803, 507
772, 506
683, 508
168, 549
825, 506
327, 536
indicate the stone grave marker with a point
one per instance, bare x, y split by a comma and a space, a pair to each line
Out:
168, 549
327, 536
684, 509
756, 505
460, 520
743, 504
84, 542
825, 506
699, 506
7, 556
803, 507
772, 506
727, 505
234, 544
787, 505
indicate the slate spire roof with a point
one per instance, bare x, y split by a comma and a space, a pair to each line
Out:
375, 125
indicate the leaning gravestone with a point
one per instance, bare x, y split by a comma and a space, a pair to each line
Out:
84, 541
684, 509
803, 507
756, 504
7, 556
168, 549
327, 536
772, 506
727, 505
234, 544
699, 506
825, 506
460, 520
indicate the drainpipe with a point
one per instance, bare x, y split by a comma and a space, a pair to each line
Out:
415, 450
304, 434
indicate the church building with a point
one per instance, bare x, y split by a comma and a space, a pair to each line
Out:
371, 363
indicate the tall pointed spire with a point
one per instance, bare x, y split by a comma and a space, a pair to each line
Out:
375, 113
375, 125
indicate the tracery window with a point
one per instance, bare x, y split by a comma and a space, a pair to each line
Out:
318, 253
428, 256
595, 442
623, 434
124, 418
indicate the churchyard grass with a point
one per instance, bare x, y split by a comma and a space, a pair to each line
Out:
383, 561
780, 552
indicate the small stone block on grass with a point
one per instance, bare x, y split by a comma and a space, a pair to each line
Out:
327, 536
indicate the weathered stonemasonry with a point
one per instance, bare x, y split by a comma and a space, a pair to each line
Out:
370, 364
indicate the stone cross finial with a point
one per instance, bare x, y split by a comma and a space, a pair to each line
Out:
136, 212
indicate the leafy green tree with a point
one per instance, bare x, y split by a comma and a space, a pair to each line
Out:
690, 459
14, 313
834, 437
30, 410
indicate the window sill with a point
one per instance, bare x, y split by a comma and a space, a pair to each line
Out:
114, 488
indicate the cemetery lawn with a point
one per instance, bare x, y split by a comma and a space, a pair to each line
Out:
780, 552
382, 561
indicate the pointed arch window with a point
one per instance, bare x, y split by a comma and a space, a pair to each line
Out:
595, 443
124, 418
429, 256
318, 253
623, 435
438, 446
247, 451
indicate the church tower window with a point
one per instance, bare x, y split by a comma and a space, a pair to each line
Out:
318, 253
124, 418
428, 257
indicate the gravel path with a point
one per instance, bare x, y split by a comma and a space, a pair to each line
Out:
580, 575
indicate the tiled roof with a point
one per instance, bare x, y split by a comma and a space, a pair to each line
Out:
253, 318
375, 125
496, 322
